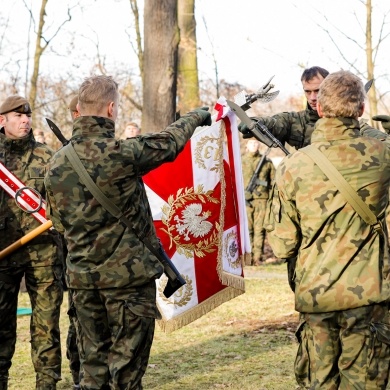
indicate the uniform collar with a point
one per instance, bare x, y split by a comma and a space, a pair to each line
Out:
329, 129
18, 143
93, 126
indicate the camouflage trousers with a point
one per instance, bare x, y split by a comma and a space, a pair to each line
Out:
44, 287
72, 352
344, 350
256, 214
115, 329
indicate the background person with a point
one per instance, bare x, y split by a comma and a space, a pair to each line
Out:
342, 282
110, 271
39, 136
256, 201
131, 130
38, 261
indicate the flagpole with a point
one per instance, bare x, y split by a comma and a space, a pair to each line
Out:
25, 239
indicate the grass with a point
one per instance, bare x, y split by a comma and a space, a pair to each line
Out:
247, 343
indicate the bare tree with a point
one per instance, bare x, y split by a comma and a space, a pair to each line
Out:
41, 45
369, 48
161, 35
138, 47
188, 82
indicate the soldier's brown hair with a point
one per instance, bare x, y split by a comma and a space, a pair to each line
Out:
341, 94
96, 92
312, 72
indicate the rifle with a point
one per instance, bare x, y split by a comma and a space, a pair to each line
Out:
242, 102
255, 181
175, 280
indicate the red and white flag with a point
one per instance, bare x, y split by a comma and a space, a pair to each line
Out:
198, 208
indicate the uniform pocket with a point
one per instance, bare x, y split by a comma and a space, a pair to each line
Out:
157, 141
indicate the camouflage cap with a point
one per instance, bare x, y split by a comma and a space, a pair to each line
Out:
73, 103
15, 103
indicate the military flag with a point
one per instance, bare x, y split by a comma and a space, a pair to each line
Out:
199, 213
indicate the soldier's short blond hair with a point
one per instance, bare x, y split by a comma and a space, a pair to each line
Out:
96, 92
341, 94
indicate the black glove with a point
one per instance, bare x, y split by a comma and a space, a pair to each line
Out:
204, 114
246, 133
385, 120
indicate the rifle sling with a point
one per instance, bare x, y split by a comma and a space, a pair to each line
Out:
100, 197
343, 186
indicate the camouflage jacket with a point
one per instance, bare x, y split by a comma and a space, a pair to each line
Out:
27, 160
102, 252
340, 259
296, 128
265, 177
293, 128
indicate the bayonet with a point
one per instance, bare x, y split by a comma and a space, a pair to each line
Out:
54, 128
368, 85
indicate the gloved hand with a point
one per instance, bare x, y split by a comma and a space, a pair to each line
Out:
246, 133
385, 120
203, 112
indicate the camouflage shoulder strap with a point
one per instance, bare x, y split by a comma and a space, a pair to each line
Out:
175, 280
343, 186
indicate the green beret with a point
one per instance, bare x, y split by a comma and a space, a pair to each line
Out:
15, 103
73, 104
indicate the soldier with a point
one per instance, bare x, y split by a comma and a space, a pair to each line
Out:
296, 128
131, 130
342, 283
257, 200
72, 352
38, 261
110, 272
39, 136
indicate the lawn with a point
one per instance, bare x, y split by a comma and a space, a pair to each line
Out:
245, 344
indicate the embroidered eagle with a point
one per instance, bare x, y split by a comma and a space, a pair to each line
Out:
193, 221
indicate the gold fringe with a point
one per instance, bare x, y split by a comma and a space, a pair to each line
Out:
231, 280
200, 310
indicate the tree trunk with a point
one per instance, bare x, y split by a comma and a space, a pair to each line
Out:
188, 83
161, 36
372, 100
37, 58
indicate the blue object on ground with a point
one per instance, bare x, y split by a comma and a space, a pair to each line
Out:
24, 311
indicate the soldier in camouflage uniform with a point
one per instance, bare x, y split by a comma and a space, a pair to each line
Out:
342, 281
72, 352
38, 260
110, 271
296, 128
385, 120
256, 201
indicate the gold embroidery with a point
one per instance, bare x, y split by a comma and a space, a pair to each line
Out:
183, 217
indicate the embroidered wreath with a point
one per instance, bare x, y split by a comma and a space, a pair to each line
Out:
184, 199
